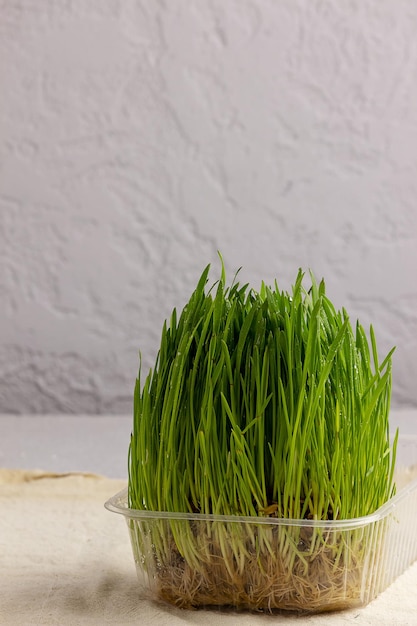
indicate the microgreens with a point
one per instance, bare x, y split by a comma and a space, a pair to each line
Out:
263, 403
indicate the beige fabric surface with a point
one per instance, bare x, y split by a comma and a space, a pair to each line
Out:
64, 560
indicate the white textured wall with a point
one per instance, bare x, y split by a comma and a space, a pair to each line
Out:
138, 137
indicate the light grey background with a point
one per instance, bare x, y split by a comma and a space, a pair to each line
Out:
99, 444
137, 138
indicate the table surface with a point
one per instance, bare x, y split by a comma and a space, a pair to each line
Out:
68, 561
91, 443
66, 443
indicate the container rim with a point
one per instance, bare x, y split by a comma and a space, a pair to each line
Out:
118, 504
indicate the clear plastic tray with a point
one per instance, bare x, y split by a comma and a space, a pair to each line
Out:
194, 560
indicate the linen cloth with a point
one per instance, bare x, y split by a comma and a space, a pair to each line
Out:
64, 560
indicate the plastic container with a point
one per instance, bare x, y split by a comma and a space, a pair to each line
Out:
202, 561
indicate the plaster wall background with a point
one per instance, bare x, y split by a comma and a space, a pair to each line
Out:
138, 137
